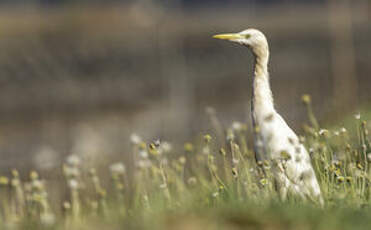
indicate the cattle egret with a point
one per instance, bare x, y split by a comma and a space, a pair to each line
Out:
274, 140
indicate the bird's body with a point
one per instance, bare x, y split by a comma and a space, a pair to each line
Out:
274, 139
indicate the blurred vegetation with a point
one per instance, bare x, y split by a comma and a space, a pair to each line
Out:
73, 75
209, 183
77, 80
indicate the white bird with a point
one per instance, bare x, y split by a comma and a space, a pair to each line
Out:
273, 138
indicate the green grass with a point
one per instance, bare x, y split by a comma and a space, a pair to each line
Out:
212, 182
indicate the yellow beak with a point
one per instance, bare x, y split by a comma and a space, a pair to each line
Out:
227, 36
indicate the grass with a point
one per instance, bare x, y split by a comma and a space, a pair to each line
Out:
212, 182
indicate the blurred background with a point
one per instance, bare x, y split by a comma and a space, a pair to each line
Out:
79, 77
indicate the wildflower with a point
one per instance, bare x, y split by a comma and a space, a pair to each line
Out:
157, 143
4, 180
166, 147
263, 181
118, 168
71, 171
206, 150
73, 160
73, 184
143, 154
215, 194
153, 149
135, 139
340, 179
343, 130
15, 182
66, 205
207, 138
15, 173
182, 160
323, 132
34, 175
188, 147
306, 99
37, 185
236, 126
336, 162
357, 116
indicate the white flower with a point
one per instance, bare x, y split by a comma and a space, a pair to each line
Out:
73, 160
236, 126
343, 130
66, 205
117, 168
357, 116
37, 184
166, 147
336, 133
206, 150
323, 132
135, 139
215, 194
71, 171
73, 184
143, 154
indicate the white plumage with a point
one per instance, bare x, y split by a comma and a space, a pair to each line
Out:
274, 139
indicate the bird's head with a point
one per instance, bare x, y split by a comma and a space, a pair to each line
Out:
251, 38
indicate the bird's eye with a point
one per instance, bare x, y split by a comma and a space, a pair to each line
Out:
247, 36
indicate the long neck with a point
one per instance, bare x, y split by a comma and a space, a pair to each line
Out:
262, 100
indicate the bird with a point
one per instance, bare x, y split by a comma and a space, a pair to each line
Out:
274, 140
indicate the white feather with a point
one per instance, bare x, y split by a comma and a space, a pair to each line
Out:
293, 173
